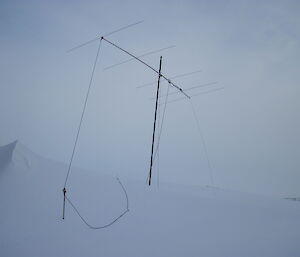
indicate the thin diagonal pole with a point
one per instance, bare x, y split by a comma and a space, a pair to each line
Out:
204, 144
83, 112
154, 125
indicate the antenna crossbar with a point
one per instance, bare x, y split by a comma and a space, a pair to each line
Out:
146, 64
145, 54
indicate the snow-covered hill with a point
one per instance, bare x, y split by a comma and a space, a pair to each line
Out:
170, 221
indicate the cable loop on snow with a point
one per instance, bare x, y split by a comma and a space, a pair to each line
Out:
110, 223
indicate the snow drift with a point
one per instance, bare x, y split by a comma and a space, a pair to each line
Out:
170, 221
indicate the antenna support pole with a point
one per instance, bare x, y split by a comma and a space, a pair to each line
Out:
154, 125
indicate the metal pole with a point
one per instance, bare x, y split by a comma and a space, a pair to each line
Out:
154, 125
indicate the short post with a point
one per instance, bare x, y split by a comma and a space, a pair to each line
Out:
64, 206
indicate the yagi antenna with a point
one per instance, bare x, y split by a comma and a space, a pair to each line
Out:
106, 35
147, 65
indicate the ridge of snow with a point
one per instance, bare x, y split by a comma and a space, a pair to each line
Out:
16, 153
6, 153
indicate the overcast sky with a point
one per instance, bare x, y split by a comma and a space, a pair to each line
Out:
251, 127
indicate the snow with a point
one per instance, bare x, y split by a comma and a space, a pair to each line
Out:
173, 220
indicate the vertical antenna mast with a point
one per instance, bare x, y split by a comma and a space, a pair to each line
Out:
154, 125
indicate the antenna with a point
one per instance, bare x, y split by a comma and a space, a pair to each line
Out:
160, 75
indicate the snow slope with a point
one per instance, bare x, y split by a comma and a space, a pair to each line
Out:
170, 221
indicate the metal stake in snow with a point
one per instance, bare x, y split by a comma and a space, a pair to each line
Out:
154, 125
64, 207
